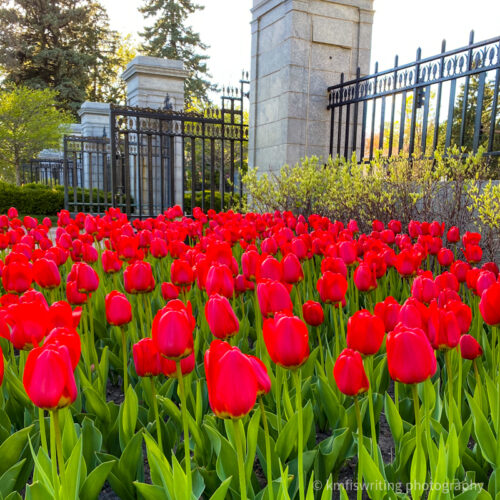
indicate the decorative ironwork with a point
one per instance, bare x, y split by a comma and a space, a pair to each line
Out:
48, 171
436, 102
156, 158
157, 155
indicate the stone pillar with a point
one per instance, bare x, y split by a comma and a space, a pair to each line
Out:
299, 49
94, 118
149, 80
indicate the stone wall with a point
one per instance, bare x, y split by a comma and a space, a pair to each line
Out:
299, 48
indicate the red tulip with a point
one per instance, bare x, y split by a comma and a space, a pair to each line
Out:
173, 328
489, 305
335, 265
313, 313
273, 297
270, 268
127, 247
388, 312
349, 373
263, 380
443, 328
169, 367
111, 263
158, 248
470, 238
181, 273
48, 377
169, 291
12, 213
491, 266
447, 280
331, 287
364, 278
410, 357
73, 295
220, 316
231, 380
17, 276
287, 340
473, 253
377, 225
365, 332
445, 257
469, 347
66, 337
250, 261
46, 273
395, 226
453, 234
29, 324
138, 278
292, 269
424, 289
1, 366
118, 308
484, 280
348, 252
220, 280
462, 312
147, 359
84, 276
407, 262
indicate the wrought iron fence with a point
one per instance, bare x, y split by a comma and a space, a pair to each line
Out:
87, 183
432, 103
47, 171
156, 158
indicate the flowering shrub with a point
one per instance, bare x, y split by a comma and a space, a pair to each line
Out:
246, 356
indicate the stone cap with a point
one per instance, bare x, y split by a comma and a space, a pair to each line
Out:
158, 66
96, 108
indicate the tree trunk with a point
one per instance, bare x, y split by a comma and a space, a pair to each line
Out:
18, 171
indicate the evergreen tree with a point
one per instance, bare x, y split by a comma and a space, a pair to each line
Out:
170, 38
54, 44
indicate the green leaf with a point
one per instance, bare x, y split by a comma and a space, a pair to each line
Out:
484, 435
150, 491
96, 405
129, 411
95, 481
12, 447
71, 487
393, 418
9, 478
37, 491
418, 472
287, 439
252, 435
221, 492
372, 476
92, 442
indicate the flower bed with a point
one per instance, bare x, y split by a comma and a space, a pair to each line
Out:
246, 356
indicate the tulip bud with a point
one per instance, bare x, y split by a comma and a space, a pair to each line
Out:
220, 280
172, 330
147, 358
364, 278
489, 305
469, 347
46, 273
138, 278
231, 380
169, 367
365, 332
48, 377
388, 312
349, 373
313, 313
273, 297
410, 357
220, 316
287, 340
118, 308
331, 287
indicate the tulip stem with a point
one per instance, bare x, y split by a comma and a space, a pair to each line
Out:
157, 415
300, 437
369, 362
459, 392
241, 464
59, 451
493, 352
360, 446
418, 440
342, 330
43, 433
337, 339
125, 365
53, 458
269, 467
478, 383
279, 382
450, 388
185, 425
396, 395
320, 343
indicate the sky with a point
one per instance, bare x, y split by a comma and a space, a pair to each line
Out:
400, 26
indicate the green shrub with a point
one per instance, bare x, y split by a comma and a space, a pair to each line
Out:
403, 188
